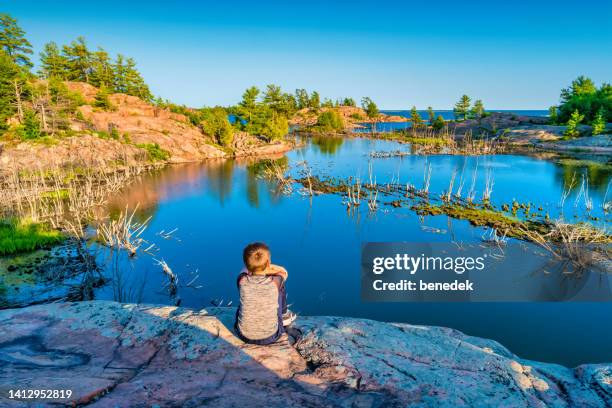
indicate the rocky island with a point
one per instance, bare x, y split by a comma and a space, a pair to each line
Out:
110, 354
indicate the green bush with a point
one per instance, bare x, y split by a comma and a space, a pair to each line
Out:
438, 123
582, 95
154, 152
572, 124
102, 101
599, 123
30, 128
24, 236
329, 121
216, 124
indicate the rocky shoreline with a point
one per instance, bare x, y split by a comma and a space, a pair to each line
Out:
112, 354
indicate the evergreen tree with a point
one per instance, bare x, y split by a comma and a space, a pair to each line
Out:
553, 116
599, 123
102, 74
53, 63
315, 100
462, 108
572, 124
439, 123
134, 83
415, 118
102, 101
349, 102
369, 107
478, 109
248, 105
327, 103
216, 124
120, 74
78, 60
302, 98
9, 73
30, 128
431, 116
13, 41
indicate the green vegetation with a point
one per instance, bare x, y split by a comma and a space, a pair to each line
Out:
30, 126
431, 116
13, 41
24, 236
434, 141
462, 108
415, 118
329, 121
348, 102
154, 152
268, 116
369, 107
572, 124
101, 100
599, 123
583, 96
439, 123
217, 125
478, 109
553, 115
41, 105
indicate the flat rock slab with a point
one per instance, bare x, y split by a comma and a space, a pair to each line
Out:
124, 355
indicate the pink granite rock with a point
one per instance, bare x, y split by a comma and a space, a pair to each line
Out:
123, 355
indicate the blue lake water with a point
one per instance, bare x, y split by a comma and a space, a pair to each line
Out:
220, 206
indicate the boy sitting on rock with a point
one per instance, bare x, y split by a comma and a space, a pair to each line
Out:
262, 315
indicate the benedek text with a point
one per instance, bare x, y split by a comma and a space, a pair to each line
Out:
405, 284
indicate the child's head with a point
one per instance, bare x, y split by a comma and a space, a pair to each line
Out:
256, 257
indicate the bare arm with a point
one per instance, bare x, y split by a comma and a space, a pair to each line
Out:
280, 271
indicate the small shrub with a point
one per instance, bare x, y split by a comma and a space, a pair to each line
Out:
572, 124
102, 101
154, 152
438, 123
30, 128
216, 124
599, 123
330, 121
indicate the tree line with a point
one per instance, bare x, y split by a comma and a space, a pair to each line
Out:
46, 106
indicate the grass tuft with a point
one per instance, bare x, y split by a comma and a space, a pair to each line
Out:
25, 236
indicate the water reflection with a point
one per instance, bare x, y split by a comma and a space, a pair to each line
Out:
327, 145
220, 206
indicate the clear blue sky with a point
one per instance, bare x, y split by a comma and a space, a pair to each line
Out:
512, 55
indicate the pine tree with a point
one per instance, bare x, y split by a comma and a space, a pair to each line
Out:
572, 124
315, 100
120, 74
134, 83
13, 41
439, 123
9, 72
369, 107
431, 115
78, 59
599, 123
553, 115
102, 74
30, 128
301, 98
478, 109
462, 108
102, 101
53, 63
415, 118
